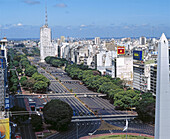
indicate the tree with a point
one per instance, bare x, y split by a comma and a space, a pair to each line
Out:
16, 63
13, 88
24, 62
105, 87
58, 114
39, 77
30, 70
17, 58
36, 122
57, 63
48, 59
40, 86
23, 80
112, 92
118, 82
29, 84
19, 70
146, 108
126, 99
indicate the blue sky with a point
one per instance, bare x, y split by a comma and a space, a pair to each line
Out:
85, 18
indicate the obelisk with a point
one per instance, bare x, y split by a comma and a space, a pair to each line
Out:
162, 117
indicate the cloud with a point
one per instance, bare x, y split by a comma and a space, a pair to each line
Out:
126, 27
82, 25
61, 5
31, 2
19, 24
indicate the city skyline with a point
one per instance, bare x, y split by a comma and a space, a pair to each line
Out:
85, 18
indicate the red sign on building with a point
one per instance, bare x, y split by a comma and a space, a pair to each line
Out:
120, 50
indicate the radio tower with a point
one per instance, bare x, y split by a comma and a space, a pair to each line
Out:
46, 15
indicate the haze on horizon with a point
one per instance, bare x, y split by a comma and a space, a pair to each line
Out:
85, 18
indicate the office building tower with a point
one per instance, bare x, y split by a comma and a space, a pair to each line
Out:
3, 72
46, 46
97, 40
142, 40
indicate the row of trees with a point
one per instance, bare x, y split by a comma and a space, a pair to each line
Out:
13, 81
34, 51
121, 96
37, 83
54, 61
31, 80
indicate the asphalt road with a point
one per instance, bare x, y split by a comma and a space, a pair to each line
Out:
84, 128
26, 128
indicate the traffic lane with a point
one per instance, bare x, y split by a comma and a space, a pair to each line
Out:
27, 132
83, 129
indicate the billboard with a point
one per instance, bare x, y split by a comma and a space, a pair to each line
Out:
120, 50
7, 103
138, 55
4, 129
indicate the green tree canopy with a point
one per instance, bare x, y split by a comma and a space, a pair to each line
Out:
126, 99
48, 59
36, 122
17, 58
146, 108
19, 70
40, 86
39, 77
16, 63
29, 84
23, 80
58, 114
30, 70
105, 87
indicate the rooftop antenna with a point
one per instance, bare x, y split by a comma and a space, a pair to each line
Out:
46, 15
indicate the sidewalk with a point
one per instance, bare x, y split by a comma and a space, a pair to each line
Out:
135, 134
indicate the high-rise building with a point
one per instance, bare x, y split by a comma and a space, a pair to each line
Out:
162, 119
153, 73
3, 72
97, 40
142, 40
46, 46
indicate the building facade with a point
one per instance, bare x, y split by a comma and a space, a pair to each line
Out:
46, 46
3, 72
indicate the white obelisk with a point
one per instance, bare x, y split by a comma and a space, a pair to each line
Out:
162, 118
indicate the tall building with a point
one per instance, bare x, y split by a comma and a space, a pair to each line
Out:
162, 119
3, 72
142, 40
46, 46
153, 74
97, 40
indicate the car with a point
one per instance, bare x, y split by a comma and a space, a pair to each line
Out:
18, 136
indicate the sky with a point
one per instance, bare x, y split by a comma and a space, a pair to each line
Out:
85, 18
